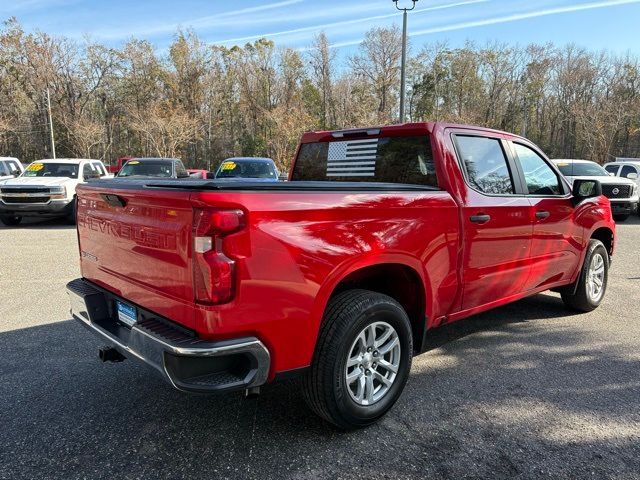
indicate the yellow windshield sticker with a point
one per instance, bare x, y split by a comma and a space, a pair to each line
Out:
35, 167
133, 162
228, 166
563, 164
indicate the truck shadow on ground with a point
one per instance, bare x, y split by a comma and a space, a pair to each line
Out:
41, 224
516, 391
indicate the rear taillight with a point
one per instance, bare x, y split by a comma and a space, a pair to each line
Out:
213, 271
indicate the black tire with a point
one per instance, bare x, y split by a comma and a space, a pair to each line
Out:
325, 387
577, 297
71, 217
620, 218
11, 221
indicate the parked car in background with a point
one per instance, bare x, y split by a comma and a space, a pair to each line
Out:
622, 192
339, 274
118, 165
629, 169
47, 188
10, 167
153, 168
197, 173
257, 169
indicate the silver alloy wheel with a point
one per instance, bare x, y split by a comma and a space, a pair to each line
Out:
372, 363
595, 278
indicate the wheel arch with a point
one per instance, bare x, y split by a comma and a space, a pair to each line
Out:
402, 280
606, 236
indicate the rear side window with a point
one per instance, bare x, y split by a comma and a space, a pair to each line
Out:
485, 164
407, 160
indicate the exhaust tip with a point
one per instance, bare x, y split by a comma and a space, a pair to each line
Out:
111, 355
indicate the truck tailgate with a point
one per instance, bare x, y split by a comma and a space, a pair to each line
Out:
135, 242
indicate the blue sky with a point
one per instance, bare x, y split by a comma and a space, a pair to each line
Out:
596, 24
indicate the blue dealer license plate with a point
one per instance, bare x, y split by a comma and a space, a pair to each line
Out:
127, 314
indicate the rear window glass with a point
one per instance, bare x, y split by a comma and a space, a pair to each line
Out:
147, 168
388, 159
233, 168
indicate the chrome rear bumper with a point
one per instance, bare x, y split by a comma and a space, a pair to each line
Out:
187, 362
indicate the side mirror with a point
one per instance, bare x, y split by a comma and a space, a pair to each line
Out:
611, 174
91, 176
632, 176
583, 189
16, 173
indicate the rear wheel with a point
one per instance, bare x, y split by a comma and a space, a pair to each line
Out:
11, 221
362, 359
592, 283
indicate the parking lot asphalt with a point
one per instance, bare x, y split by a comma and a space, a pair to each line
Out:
529, 390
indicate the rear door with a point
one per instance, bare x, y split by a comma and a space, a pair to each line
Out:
136, 243
556, 243
497, 221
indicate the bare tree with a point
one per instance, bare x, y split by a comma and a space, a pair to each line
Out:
377, 62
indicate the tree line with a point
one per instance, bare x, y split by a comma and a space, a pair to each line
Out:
204, 103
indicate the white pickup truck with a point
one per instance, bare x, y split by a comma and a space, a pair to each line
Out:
621, 192
10, 167
47, 188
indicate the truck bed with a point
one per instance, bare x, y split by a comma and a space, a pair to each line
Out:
299, 238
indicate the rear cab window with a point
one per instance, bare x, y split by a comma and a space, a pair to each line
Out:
404, 160
147, 168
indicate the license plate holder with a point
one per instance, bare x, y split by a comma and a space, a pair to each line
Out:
126, 313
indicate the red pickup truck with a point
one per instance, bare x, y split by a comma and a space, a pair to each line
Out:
340, 274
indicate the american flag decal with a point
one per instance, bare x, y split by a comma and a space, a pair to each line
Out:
353, 158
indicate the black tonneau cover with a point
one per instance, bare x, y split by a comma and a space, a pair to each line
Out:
218, 185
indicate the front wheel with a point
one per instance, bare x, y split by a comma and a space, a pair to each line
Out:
362, 359
592, 282
11, 221
71, 216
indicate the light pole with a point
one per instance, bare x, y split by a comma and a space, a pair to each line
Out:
53, 141
403, 65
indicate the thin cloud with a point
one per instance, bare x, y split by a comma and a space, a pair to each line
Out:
26, 5
342, 23
506, 19
201, 22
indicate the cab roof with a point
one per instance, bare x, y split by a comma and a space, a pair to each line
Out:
397, 130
